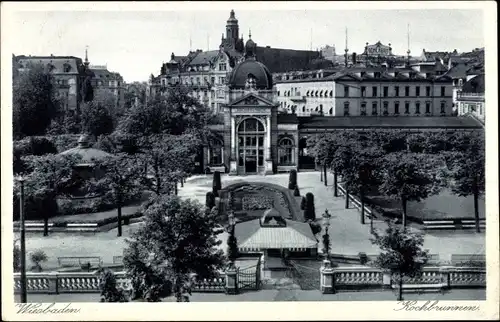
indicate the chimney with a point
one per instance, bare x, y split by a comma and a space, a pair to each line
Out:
354, 58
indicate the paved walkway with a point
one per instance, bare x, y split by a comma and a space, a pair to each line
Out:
347, 234
282, 295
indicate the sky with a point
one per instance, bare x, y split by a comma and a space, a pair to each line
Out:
135, 43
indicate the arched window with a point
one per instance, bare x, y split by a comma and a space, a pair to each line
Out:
316, 94
251, 144
321, 94
321, 108
307, 93
303, 109
216, 152
331, 93
330, 111
286, 151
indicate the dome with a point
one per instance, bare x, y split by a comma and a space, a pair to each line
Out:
87, 153
252, 70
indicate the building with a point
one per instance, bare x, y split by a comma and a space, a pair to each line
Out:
470, 99
365, 91
256, 137
206, 72
69, 74
328, 52
105, 83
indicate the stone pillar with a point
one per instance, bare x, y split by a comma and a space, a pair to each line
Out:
233, 156
232, 280
327, 282
52, 279
445, 276
386, 280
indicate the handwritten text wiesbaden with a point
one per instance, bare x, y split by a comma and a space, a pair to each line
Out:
46, 308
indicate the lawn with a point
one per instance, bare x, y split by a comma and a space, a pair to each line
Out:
444, 205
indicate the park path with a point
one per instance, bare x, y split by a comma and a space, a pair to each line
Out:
347, 234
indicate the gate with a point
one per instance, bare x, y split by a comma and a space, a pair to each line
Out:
249, 277
308, 278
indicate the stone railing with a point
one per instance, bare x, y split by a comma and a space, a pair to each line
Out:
333, 279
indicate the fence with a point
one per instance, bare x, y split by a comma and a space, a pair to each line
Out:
437, 278
354, 201
453, 224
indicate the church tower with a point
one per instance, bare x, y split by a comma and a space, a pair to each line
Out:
232, 30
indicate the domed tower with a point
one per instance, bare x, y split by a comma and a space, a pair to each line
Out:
232, 30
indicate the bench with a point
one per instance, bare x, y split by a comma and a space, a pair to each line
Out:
417, 288
79, 261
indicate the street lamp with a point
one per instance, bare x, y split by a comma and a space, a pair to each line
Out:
23, 242
326, 238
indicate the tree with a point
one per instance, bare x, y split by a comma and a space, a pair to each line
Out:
166, 159
17, 258
34, 102
292, 179
172, 113
176, 242
110, 292
309, 211
210, 200
409, 177
466, 164
47, 177
96, 119
401, 253
120, 180
361, 173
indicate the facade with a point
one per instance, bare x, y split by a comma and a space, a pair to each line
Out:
366, 92
206, 72
470, 99
258, 138
68, 73
105, 82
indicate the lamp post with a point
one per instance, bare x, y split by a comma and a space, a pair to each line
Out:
23, 243
326, 237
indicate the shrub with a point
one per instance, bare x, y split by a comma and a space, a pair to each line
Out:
41, 145
66, 141
363, 258
210, 200
303, 203
217, 182
35, 207
296, 191
292, 181
309, 211
110, 292
315, 227
37, 257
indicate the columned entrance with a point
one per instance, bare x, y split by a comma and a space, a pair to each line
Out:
251, 146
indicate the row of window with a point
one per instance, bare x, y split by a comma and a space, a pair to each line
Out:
385, 108
195, 81
396, 93
311, 93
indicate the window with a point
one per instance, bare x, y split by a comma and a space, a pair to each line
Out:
363, 109
396, 108
386, 91
321, 108
428, 91
443, 107
278, 93
303, 109
321, 94
417, 107
374, 91
307, 93
346, 91
417, 91
286, 152
460, 82
346, 109
407, 107
363, 91
222, 80
212, 80
407, 90
331, 93
374, 108
67, 68
386, 108
198, 80
427, 107
396, 90
316, 94
222, 66
330, 111
212, 106
443, 91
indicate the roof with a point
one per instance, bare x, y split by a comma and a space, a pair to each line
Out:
474, 85
240, 74
87, 154
458, 71
287, 118
323, 122
104, 73
58, 63
283, 60
204, 57
251, 235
